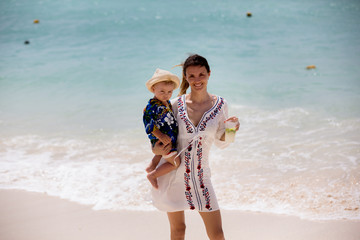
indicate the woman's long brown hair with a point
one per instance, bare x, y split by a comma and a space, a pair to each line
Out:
193, 60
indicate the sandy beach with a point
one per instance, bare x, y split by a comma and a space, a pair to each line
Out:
27, 215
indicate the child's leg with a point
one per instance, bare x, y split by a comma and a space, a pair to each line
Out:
174, 160
154, 162
163, 169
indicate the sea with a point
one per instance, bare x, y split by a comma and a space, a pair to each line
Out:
72, 94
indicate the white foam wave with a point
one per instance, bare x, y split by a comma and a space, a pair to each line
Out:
100, 173
294, 162
290, 161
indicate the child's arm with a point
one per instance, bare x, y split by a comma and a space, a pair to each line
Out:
165, 139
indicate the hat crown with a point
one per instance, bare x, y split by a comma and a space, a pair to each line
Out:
161, 75
159, 72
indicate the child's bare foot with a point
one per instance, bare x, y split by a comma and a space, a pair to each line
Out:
152, 180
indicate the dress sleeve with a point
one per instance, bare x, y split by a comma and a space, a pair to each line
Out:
221, 127
149, 118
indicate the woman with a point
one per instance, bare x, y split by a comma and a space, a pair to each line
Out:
200, 117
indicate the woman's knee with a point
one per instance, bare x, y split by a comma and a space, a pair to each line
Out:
177, 224
213, 224
178, 229
218, 235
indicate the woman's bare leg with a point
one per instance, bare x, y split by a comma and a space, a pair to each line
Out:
213, 225
177, 225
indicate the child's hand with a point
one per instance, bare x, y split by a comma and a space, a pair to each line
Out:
165, 139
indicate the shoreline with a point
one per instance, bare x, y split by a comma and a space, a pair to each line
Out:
29, 215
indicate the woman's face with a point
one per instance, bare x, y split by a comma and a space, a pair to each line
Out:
197, 77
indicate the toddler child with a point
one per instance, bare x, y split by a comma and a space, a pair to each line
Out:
160, 123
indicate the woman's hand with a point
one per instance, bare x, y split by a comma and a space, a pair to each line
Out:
235, 120
161, 149
237, 126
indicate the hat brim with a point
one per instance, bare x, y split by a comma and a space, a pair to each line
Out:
162, 78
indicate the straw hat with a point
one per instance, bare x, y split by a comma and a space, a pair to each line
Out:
162, 76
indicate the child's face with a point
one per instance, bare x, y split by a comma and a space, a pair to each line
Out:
163, 91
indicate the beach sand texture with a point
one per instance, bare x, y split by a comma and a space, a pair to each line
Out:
28, 215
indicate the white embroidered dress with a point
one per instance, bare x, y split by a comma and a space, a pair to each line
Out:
189, 187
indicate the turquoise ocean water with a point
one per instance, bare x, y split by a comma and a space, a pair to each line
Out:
71, 100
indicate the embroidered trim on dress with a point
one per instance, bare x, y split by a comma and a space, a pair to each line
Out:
212, 115
205, 190
187, 177
183, 117
200, 170
207, 198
